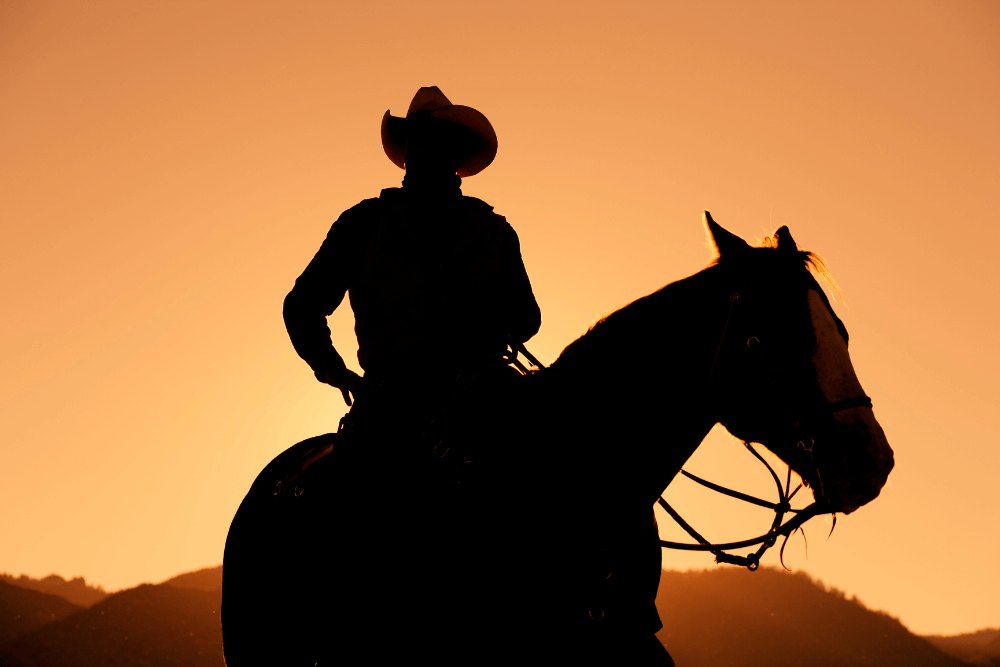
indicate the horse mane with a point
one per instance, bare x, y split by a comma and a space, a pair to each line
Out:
634, 317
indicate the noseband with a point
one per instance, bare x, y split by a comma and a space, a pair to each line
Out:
821, 504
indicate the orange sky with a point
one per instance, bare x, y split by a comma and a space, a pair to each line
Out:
168, 168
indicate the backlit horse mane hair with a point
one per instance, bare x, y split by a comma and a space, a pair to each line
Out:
815, 263
582, 347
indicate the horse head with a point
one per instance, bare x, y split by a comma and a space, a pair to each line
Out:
782, 375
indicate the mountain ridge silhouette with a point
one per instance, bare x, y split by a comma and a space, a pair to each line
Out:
730, 616
75, 590
722, 616
23, 610
146, 626
976, 648
207, 579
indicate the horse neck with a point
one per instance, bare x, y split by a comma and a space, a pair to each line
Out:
635, 387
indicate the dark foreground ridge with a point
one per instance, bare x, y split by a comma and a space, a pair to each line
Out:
723, 616
148, 625
23, 610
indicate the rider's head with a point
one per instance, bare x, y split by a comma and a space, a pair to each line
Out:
437, 136
436, 146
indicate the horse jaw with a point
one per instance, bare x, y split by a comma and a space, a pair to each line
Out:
855, 473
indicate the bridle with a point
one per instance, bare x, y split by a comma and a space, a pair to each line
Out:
821, 504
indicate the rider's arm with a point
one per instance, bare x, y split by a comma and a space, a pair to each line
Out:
321, 288
523, 315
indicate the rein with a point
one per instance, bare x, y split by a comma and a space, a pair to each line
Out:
768, 539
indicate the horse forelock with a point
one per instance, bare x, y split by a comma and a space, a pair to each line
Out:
813, 262
816, 266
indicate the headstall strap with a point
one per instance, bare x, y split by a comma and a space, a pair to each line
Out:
733, 298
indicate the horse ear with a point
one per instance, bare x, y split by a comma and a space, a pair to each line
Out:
726, 242
785, 241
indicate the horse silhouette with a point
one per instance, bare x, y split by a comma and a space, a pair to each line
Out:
523, 526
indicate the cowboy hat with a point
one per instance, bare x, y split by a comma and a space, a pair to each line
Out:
431, 102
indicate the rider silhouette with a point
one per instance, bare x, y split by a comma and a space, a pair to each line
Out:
438, 290
435, 278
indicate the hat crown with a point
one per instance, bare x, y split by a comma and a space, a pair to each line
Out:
427, 100
431, 102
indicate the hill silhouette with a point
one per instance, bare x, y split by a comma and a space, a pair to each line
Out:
75, 590
975, 648
719, 617
729, 616
208, 579
146, 626
23, 610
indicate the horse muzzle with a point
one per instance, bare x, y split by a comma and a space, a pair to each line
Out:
856, 460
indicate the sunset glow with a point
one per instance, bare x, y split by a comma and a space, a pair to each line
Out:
167, 169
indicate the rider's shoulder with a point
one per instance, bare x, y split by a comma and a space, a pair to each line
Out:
357, 217
483, 210
363, 207
389, 195
477, 204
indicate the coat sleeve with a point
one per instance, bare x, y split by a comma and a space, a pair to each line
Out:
322, 286
523, 314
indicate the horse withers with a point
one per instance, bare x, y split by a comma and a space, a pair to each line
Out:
548, 550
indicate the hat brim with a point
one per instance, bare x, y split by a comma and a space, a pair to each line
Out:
394, 131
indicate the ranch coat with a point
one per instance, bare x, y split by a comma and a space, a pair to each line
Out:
435, 280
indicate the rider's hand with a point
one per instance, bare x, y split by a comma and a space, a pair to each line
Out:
347, 381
